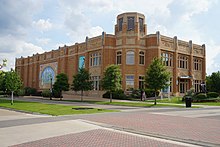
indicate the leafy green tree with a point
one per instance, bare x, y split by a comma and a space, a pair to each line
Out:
112, 79
12, 82
61, 84
3, 64
213, 82
157, 76
2, 81
81, 81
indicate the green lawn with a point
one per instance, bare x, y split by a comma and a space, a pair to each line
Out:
51, 109
174, 100
138, 104
208, 103
132, 104
178, 100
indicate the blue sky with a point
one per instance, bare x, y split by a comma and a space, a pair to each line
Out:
28, 27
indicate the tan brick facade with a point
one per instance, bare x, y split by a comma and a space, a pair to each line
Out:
131, 48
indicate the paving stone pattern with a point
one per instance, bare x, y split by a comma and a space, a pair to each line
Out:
97, 138
197, 129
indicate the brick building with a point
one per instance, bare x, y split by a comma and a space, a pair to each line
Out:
130, 47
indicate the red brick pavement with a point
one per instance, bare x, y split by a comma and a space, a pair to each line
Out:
97, 138
197, 129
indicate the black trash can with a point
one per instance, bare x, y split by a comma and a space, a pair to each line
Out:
188, 101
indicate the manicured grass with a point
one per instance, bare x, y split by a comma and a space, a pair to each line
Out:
178, 100
208, 103
174, 100
51, 109
150, 103
142, 104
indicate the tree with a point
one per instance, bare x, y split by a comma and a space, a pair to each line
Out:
112, 79
3, 64
12, 82
156, 76
2, 81
61, 84
213, 82
81, 81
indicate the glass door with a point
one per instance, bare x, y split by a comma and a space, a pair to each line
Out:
183, 86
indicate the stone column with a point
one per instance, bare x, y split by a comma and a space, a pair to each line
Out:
204, 63
175, 67
191, 64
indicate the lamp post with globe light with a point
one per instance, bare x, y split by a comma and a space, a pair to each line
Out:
51, 90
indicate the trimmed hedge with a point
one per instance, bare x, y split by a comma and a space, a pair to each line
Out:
30, 91
38, 93
57, 94
200, 96
150, 93
46, 93
212, 95
115, 95
136, 93
21, 92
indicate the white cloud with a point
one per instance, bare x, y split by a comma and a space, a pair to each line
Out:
100, 5
155, 7
16, 16
212, 57
95, 31
194, 7
79, 19
77, 23
43, 25
43, 41
11, 47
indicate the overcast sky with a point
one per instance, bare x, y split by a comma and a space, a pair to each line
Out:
28, 27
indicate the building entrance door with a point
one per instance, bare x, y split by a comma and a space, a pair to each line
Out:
183, 86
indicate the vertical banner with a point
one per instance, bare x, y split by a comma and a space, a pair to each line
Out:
82, 62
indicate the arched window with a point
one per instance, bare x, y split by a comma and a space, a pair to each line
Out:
197, 64
167, 59
130, 23
95, 59
120, 22
130, 57
183, 61
118, 57
141, 57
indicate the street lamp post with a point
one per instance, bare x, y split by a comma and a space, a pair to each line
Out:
51, 88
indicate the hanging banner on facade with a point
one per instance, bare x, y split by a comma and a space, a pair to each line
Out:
82, 62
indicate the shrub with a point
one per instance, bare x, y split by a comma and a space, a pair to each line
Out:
200, 96
150, 93
21, 92
46, 93
136, 93
212, 94
30, 91
2, 93
56, 94
115, 95
190, 93
38, 93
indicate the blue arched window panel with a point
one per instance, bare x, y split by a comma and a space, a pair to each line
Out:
47, 74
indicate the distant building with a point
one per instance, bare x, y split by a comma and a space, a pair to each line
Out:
130, 47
